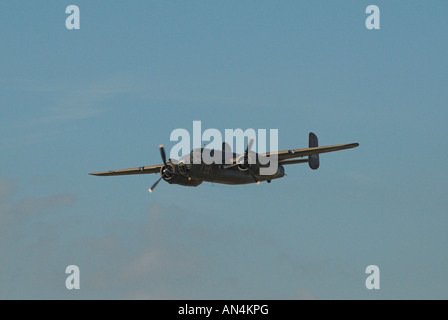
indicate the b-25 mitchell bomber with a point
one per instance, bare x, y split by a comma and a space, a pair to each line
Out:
191, 170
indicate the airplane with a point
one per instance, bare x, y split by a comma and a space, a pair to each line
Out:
234, 169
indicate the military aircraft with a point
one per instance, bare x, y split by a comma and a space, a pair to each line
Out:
233, 169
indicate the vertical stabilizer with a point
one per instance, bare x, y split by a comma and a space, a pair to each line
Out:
313, 160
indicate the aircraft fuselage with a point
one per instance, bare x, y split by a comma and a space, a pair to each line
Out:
195, 170
217, 174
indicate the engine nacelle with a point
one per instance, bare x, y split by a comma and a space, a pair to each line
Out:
171, 174
183, 181
168, 172
184, 168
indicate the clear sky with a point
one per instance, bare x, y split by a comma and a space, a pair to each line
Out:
105, 96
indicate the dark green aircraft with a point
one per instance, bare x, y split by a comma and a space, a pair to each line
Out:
233, 169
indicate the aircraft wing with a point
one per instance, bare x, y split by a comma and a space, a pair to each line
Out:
284, 155
123, 172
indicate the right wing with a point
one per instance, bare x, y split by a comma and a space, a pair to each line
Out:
285, 155
123, 172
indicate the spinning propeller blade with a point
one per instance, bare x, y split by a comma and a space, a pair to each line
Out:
154, 185
249, 148
162, 152
253, 176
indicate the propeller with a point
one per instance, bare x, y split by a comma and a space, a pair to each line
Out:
164, 170
246, 159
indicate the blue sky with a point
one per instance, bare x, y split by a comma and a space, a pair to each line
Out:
105, 96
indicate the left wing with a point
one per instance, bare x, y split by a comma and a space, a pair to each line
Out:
284, 155
123, 172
